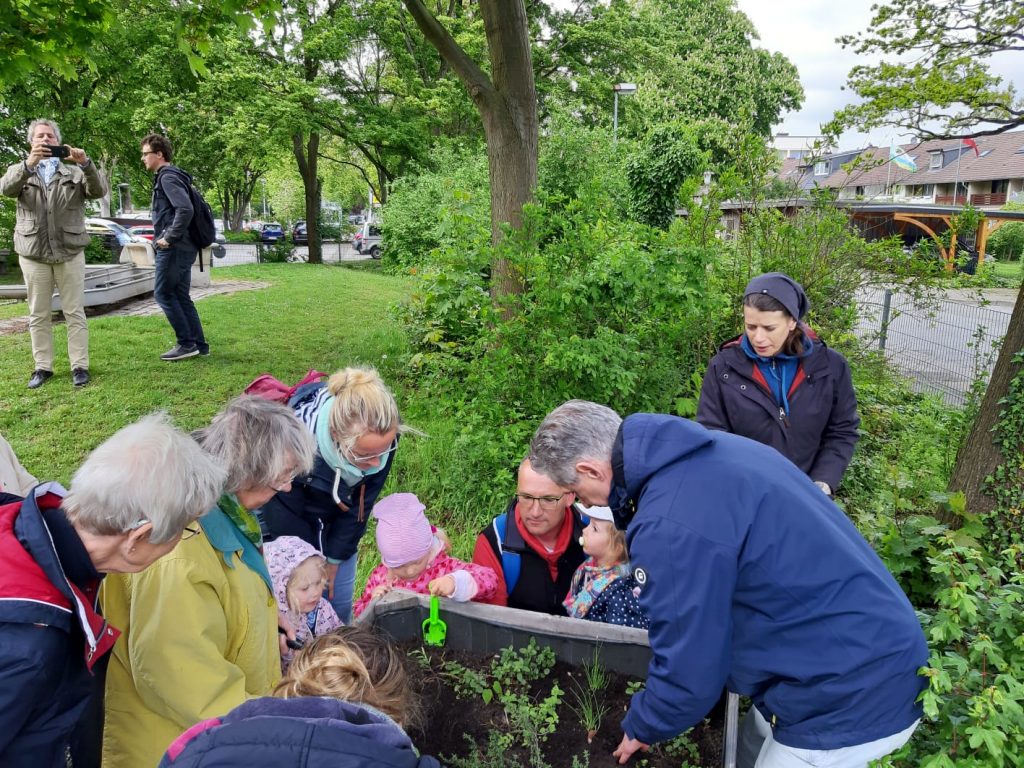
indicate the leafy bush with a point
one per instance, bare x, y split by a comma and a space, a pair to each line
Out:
241, 237
412, 224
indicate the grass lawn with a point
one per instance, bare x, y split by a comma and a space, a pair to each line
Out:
1011, 271
311, 317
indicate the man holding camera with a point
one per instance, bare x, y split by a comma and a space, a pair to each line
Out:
172, 212
50, 240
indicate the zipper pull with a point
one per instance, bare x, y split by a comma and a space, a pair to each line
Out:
783, 417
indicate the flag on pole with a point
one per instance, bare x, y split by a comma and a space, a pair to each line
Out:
900, 158
973, 145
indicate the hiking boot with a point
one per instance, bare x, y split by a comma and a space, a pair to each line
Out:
178, 352
79, 377
39, 377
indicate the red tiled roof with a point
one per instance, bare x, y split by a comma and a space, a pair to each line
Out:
998, 157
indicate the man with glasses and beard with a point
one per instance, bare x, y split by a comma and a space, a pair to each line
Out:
534, 546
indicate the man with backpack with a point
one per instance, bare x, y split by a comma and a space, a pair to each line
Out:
534, 546
173, 211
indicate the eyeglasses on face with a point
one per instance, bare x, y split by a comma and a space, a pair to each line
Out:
148, 152
355, 459
546, 502
190, 531
282, 485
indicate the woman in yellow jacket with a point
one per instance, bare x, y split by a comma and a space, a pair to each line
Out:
199, 628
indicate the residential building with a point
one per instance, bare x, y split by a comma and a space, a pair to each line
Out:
988, 175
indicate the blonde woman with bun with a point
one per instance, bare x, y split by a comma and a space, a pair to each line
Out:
345, 702
355, 421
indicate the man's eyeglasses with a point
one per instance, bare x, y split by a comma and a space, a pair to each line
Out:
190, 531
546, 502
148, 152
365, 459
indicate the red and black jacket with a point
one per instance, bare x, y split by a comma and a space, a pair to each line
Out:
51, 634
821, 429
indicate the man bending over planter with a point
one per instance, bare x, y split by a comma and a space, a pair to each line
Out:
753, 579
533, 546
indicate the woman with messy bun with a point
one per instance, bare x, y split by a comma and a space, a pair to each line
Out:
355, 421
345, 702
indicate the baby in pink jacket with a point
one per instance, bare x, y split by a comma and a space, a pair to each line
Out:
414, 558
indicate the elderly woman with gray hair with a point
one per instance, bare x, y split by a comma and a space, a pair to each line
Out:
200, 629
56, 546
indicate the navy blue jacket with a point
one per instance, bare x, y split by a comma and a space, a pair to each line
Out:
309, 510
821, 430
753, 579
299, 733
171, 207
50, 633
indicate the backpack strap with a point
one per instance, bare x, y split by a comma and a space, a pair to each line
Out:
510, 561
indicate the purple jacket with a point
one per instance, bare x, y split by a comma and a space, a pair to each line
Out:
821, 430
306, 732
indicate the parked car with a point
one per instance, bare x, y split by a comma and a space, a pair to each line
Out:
299, 236
368, 240
271, 232
114, 236
144, 231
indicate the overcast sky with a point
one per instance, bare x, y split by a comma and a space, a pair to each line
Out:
805, 32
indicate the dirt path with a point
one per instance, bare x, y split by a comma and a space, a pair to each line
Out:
145, 305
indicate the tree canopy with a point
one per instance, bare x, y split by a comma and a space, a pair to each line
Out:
934, 79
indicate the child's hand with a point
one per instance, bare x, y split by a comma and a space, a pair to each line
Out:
379, 591
443, 587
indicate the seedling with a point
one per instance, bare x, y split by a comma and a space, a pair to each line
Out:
434, 630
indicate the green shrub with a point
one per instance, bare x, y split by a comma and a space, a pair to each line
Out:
241, 237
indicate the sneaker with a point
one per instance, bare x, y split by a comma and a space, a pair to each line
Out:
204, 351
79, 377
39, 377
179, 352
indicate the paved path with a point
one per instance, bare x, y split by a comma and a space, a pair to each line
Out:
145, 305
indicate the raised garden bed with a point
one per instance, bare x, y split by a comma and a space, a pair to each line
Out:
511, 688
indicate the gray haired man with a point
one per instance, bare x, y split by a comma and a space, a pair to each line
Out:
50, 239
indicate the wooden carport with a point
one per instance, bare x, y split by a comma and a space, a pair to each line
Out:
928, 218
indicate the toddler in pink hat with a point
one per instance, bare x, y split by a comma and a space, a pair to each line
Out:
413, 557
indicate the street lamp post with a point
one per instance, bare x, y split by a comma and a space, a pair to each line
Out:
626, 89
264, 183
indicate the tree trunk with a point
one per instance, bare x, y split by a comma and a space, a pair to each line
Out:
507, 102
979, 456
306, 156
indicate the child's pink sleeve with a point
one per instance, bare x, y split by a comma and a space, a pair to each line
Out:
378, 577
485, 578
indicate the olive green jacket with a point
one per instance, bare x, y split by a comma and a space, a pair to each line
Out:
50, 225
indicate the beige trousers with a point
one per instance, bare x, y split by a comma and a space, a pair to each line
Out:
69, 279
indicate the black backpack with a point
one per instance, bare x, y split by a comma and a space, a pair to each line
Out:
201, 230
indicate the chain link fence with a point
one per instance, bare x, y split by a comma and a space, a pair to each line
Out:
944, 347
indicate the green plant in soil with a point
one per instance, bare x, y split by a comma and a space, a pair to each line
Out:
508, 682
590, 706
682, 748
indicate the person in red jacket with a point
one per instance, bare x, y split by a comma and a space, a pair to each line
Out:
538, 540
129, 505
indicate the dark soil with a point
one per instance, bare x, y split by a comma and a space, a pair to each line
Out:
449, 718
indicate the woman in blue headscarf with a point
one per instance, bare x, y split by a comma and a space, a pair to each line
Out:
779, 384
356, 423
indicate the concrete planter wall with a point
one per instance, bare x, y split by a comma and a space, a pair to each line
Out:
487, 629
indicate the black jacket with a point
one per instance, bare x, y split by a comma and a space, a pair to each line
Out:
821, 430
534, 590
172, 206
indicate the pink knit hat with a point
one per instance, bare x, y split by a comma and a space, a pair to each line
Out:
403, 532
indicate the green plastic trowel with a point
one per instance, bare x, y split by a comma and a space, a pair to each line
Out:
434, 629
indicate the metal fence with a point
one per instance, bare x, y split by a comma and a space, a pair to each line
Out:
252, 253
944, 347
